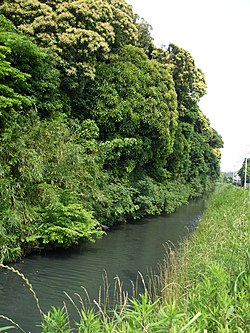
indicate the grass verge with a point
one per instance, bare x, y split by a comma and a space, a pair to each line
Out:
211, 273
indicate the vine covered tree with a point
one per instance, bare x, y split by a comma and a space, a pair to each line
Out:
133, 97
196, 154
80, 32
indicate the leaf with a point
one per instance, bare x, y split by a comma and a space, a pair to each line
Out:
6, 328
190, 322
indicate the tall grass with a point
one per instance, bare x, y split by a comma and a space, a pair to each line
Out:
203, 287
211, 273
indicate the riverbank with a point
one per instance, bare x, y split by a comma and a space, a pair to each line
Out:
72, 223
212, 278
206, 288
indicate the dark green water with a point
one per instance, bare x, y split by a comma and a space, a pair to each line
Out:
126, 249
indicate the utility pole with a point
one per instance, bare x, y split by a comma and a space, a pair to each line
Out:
245, 178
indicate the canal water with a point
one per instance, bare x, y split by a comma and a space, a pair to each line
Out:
125, 250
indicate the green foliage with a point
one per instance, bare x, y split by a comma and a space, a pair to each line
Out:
196, 154
63, 220
80, 32
189, 80
141, 314
56, 321
115, 203
90, 322
6, 25
39, 80
9, 96
2, 329
44, 185
145, 40
154, 197
135, 99
120, 155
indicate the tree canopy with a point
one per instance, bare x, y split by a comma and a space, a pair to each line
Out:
80, 32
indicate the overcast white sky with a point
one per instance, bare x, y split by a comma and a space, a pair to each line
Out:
217, 34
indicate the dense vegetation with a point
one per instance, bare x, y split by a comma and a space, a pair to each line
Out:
97, 125
201, 288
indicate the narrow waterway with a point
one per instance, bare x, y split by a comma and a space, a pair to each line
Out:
126, 249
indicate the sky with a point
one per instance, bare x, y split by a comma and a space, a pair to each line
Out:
217, 34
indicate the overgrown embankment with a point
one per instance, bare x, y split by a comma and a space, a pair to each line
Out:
97, 125
204, 287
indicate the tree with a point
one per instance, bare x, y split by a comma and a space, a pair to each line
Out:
134, 98
80, 32
196, 154
35, 153
145, 40
40, 78
245, 171
189, 80
10, 80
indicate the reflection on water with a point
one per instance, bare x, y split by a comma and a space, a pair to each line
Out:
127, 249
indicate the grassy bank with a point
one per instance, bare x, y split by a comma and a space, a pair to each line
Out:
204, 287
213, 268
